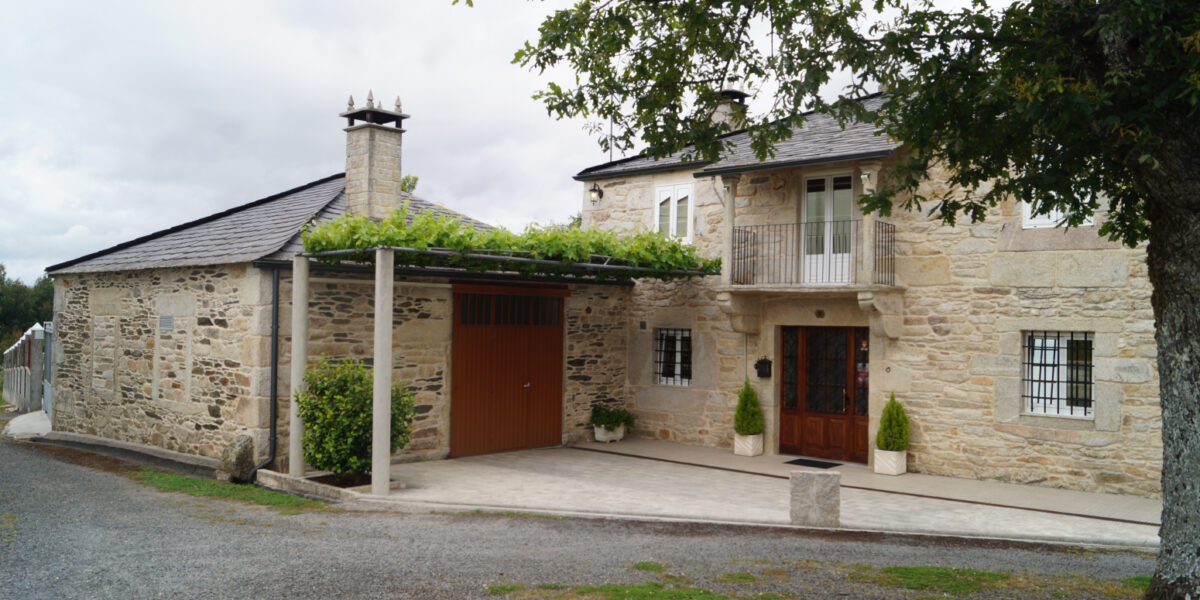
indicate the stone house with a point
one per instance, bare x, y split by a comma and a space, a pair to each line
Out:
180, 339
1020, 351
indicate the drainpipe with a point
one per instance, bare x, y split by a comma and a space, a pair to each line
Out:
274, 372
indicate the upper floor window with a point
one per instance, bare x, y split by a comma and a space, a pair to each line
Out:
1050, 219
673, 214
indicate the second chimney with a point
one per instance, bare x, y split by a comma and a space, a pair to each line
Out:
373, 148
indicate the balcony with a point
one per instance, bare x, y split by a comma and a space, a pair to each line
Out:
822, 254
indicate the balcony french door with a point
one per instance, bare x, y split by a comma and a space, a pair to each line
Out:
827, 242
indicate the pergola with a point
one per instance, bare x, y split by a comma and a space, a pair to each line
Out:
385, 270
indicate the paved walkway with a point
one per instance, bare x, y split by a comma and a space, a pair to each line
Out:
654, 479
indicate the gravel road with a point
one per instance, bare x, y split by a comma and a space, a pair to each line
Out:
74, 531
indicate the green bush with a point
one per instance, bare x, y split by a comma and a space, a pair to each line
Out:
748, 417
336, 411
611, 418
893, 427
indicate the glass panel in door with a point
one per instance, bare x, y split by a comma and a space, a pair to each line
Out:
826, 371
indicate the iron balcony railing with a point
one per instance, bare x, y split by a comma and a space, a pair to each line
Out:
813, 253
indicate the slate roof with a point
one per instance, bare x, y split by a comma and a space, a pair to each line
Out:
821, 140
266, 228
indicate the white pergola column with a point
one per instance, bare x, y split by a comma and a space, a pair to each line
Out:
381, 414
299, 362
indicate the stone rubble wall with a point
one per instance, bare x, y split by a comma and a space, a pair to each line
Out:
701, 413
597, 341
972, 290
191, 384
194, 387
341, 326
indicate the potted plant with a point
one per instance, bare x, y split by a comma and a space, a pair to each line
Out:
748, 423
610, 422
891, 442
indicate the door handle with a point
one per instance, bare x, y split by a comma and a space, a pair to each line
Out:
526, 386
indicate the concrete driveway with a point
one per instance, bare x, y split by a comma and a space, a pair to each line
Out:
652, 479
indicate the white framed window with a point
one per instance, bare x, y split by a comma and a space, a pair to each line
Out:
673, 211
1050, 219
1057, 373
673, 356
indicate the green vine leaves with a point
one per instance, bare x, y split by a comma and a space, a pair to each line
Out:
568, 249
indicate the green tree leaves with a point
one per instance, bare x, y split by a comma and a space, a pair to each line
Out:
1071, 106
21, 306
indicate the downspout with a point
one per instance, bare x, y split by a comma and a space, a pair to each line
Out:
274, 373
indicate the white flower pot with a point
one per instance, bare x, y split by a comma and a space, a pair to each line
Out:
747, 445
604, 435
891, 463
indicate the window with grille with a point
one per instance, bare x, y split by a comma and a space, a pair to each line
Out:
673, 356
1057, 373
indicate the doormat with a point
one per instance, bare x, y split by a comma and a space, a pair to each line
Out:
808, 462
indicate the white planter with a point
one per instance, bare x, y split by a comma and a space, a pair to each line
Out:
747, 445
604, 435
891, 463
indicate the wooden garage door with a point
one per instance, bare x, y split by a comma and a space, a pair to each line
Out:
507, 362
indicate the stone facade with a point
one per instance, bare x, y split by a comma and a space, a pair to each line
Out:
166, 357
180, 358
946, 337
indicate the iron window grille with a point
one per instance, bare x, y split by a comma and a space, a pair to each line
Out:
1057, 373
673, 356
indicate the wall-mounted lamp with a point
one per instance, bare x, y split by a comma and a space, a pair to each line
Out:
866, 179
595, 193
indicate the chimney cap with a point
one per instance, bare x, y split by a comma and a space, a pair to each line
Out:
732, 95
373, 113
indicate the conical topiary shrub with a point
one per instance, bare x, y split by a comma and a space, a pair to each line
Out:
748, 423
893, 427
748, 416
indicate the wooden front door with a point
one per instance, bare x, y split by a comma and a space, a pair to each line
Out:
507, 368
823, 408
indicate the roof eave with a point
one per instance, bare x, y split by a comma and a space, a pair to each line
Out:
770, 166
659, 168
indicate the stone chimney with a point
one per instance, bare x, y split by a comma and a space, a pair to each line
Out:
373, 158
727, 112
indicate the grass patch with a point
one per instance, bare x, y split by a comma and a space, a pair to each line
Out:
552, 586
960, 582
287, 504
1139, 582
649, 566
742, 577
8, 527
940, 579
647, 591
502, 589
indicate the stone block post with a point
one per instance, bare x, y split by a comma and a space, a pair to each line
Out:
816, 498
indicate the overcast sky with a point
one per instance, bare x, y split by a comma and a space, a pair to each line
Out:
118, 119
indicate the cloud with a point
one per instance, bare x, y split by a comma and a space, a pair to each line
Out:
120, 119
